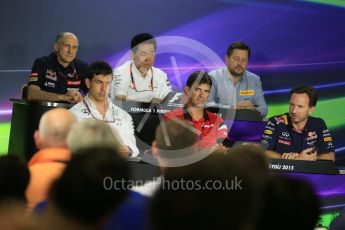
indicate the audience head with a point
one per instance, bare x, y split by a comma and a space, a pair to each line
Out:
14, 178
53, 128
221, 193
92, 133
86, 191
290, 204
174, 136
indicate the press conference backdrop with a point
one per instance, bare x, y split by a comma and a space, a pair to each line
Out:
292, 42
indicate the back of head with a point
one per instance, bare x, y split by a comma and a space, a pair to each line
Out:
92, 133
142, 38
175, 135
98, 68
199, 77
54, 127
210, 194
289, 204
14, 178
86, 191
252, 161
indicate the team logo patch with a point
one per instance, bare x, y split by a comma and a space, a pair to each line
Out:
51, 75
327, 139
73, 82
267, 131
284, 142
281, 119
249, 92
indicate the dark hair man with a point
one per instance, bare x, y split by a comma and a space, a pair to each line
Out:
97, 105
234, 86
137, 79
210, 128
298, 135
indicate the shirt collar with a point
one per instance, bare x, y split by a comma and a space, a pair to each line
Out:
187, 115
228, 74
306, 127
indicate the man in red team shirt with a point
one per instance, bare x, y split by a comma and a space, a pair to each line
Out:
210, 128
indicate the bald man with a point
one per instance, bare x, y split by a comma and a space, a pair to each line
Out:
59, 76
48, 163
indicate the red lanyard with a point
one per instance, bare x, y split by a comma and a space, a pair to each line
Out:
133, 82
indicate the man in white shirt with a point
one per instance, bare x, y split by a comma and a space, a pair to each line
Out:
97, 105
137, 79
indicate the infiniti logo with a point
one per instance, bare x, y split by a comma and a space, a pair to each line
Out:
285, 134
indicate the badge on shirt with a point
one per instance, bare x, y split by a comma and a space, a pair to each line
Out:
269, 132
51, 75
249, 92
284, 142
327, 139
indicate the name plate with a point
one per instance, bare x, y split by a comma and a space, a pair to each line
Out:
298, 166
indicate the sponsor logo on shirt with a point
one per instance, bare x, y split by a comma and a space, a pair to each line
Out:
51, 75
270, 123
281, 119
311, 135
311, 143
249, 92
264, 141
267, 131
49, 84
85, 111
266, 137
285, 134
284, 142
327, 139
270, 128
73, 82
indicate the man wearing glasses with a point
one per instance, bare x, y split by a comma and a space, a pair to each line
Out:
97, 105
234, 86
138, 80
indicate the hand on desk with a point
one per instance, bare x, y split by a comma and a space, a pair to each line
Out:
307, 155
245, 105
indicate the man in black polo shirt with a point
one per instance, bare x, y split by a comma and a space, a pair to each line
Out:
59, 76
297, 135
